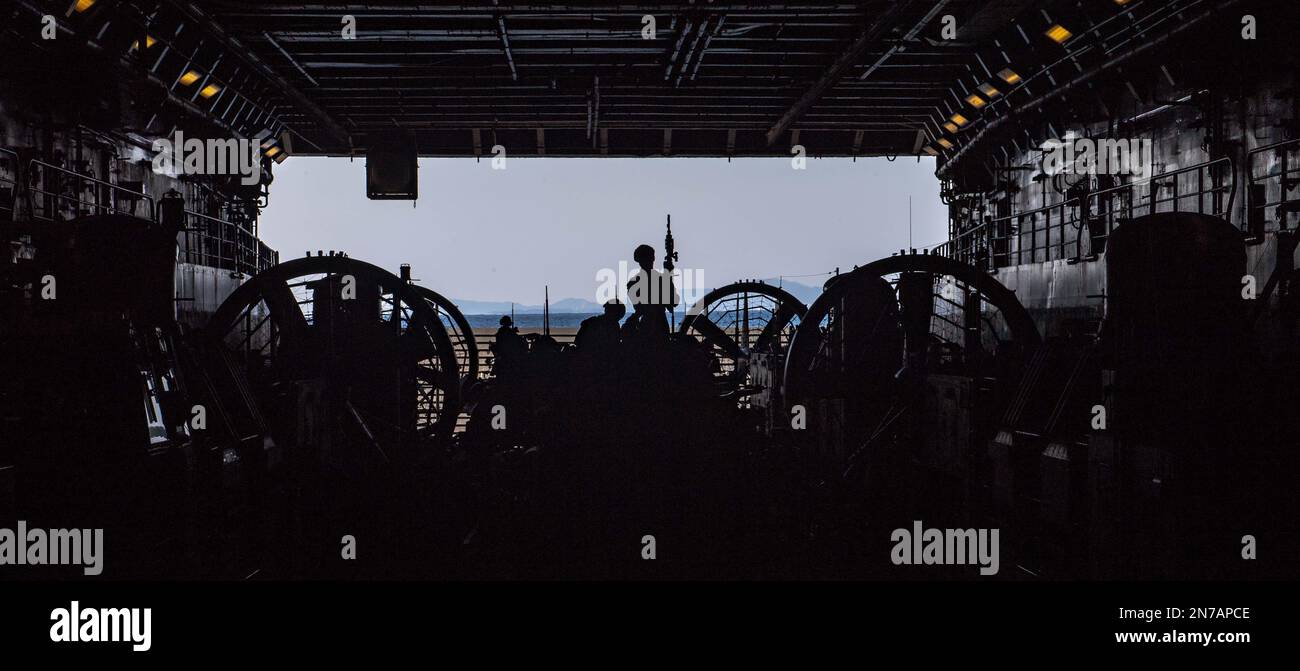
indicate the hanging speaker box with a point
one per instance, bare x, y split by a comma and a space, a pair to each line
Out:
391, 167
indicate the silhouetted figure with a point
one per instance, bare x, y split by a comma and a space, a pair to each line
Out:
509, 348
599, 335
652, 295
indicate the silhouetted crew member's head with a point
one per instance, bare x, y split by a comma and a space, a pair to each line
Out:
599, 335
506, 321
645, 256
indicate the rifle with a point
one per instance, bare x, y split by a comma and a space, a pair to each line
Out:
670, 258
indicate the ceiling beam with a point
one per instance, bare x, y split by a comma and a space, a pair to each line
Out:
870, 36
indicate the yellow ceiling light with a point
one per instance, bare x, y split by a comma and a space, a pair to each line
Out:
1059, 33
270, 153
930, 150
190, 77
1009, 76
943, 142
149, 41
209, 90
83, 5
1121, 2
950, 126
959, 120
975, 101
989, 91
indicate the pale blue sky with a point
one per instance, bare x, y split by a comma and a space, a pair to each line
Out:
483, 234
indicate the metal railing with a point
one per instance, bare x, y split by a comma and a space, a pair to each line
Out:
1287, 177
105, 197
1031, 237
53, 193
1215, 198
219, 243
1059, 231
9, 201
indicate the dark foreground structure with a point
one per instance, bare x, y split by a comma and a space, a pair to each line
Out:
1093, 374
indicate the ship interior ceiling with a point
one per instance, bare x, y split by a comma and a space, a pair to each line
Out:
1047, 371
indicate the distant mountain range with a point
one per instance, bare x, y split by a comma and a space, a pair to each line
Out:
803, 292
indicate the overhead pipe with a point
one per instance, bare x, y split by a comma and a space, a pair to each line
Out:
677, 48
505, 47
690, 53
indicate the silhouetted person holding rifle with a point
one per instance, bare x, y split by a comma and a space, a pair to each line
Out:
652, 295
